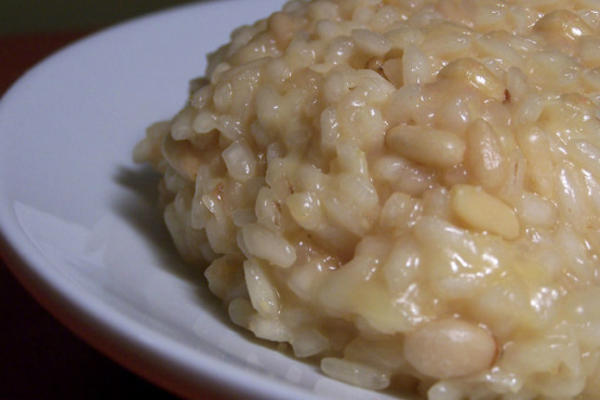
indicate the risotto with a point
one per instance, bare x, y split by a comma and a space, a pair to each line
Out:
407, 191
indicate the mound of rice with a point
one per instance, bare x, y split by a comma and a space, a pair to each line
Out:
406, 190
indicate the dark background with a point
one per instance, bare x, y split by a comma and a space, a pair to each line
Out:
39, 358
27, 16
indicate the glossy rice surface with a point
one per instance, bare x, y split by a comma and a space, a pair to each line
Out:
406, 190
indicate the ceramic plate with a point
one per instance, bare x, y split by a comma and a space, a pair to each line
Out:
78, 219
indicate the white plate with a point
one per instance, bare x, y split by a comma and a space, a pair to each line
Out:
79, 223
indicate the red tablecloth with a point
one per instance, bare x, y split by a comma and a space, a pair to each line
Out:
39, 358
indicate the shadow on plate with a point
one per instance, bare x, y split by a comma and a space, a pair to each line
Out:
139, 208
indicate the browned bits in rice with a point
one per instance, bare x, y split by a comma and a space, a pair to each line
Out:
507, 96
407, 190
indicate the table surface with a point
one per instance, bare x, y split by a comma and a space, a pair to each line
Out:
41, 359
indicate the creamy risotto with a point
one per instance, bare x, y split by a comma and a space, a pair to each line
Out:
407, 191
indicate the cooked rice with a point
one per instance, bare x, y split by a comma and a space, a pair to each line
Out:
407, 190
